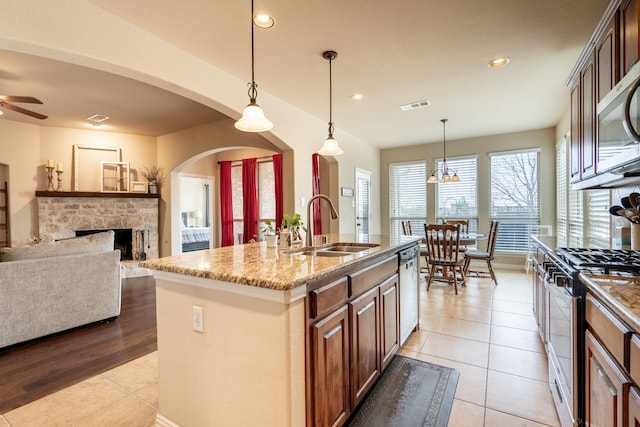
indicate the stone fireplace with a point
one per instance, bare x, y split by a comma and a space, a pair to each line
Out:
63, 214
123, 240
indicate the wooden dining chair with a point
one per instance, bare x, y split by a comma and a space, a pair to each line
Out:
443, 254
406, 228
487, 256
464, 228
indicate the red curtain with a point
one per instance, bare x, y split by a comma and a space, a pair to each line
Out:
250, 209
226, 204
277, 171
315, 169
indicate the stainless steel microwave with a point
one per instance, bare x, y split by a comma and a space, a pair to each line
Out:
619, 125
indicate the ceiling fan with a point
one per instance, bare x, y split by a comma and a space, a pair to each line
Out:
5, 103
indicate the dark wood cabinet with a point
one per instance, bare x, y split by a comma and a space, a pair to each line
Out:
576, 131
607, 70
330, 343
628, 34
607, 387
354, 333
389, 319
588, 121
634, 407
364, 312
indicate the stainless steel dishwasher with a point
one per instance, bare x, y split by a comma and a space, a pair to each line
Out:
409, 292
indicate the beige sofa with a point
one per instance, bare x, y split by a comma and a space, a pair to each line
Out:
52, 287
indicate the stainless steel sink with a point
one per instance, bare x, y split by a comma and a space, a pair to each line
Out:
320, 253
348, 248
335, 250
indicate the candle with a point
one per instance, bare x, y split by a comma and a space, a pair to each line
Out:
59, 168
49, 163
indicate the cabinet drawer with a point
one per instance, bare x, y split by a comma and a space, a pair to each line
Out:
367, 278
327, 298
634, 368
610, 330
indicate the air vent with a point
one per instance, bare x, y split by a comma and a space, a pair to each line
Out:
414, 105
98, 118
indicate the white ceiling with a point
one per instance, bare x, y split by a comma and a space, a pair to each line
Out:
393, 52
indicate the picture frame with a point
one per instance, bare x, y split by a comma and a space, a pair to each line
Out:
114, 177
86, 159
138, 187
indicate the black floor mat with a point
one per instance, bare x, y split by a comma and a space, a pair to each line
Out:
410, 393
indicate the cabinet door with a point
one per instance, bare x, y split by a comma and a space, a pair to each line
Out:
331, 369
628, 35
607, 387
365, 343
634, 407
589, 151
607, 60
389, 318
576, 129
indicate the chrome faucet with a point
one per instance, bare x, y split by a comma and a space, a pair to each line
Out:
334, 215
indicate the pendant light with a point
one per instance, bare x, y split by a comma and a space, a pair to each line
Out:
444, 170
253, 119
330, 146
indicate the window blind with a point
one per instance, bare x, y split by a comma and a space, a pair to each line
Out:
459, 200
562, 183
514, 197
407, 196
598, 227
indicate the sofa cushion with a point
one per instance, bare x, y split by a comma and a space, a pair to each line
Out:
92, 243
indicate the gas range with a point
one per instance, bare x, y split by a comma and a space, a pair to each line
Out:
607, 261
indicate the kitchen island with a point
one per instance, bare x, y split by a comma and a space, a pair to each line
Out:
242, 337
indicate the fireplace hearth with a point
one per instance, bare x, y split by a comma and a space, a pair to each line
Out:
123, 240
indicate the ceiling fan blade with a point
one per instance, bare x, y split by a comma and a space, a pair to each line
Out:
28, 99
22, 110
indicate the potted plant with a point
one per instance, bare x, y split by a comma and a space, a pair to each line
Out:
155, 176
293, 223
269, 234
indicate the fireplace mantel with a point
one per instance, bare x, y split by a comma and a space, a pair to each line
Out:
95, 194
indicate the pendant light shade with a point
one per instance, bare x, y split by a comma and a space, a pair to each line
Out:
444, 169
330, 146
253, 119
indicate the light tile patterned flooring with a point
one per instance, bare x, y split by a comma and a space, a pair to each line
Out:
486, 332
489, 334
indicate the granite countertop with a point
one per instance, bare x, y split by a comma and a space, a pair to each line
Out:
621, 294
254, 264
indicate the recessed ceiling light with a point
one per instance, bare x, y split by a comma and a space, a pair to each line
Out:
263, 20
357, 97
499, 62
414, 105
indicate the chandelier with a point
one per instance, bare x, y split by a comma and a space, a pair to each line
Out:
444, 169
330, 146
253, 119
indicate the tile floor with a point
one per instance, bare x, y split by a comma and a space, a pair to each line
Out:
486, 332
489, 334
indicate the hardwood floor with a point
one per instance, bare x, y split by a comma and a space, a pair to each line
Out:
37, 368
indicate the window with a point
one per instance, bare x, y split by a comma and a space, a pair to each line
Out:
266, 195
459, 200
514, 197
562, 184
582, 216
407, 196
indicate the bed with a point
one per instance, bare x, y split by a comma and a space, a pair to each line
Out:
194, 238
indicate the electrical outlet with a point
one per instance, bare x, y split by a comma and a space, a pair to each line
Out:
198, 319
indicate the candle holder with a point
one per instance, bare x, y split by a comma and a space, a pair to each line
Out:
59, 188
50, 177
